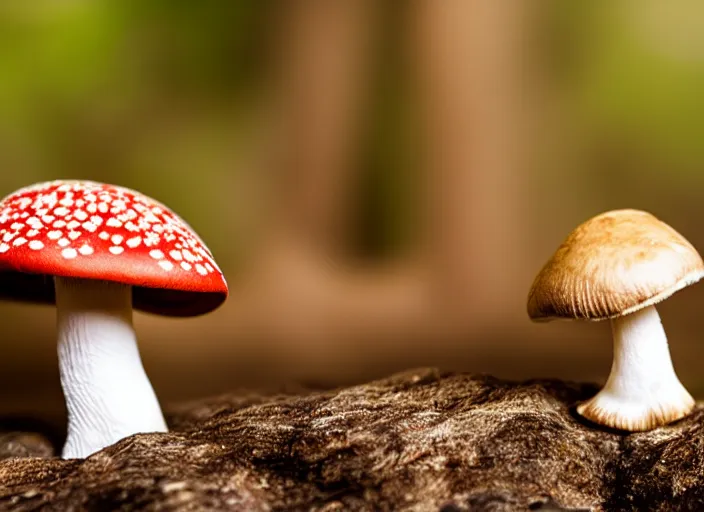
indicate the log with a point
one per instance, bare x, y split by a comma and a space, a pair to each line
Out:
419, 440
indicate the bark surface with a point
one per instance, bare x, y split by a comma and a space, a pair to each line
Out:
416, 441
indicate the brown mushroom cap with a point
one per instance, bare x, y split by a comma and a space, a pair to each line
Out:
614, 264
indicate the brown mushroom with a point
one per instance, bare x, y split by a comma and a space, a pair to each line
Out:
617, 266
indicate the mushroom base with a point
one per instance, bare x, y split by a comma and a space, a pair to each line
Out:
108, 395
613, 412
643, 391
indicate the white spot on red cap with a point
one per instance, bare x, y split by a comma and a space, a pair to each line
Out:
133, 242
151, 239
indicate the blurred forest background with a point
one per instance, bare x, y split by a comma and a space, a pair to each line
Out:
380, 181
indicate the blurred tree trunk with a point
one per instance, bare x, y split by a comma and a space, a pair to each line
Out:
468, 63
322, 78
469, 69
301, 295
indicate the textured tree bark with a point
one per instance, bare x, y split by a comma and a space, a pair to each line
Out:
419, 440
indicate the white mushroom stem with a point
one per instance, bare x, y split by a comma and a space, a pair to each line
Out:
643, 390
108, 394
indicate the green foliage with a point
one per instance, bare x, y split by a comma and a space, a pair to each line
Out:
638, 80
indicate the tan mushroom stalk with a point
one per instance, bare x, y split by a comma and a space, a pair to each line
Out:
617, 266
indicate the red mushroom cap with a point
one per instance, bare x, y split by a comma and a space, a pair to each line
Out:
91, 230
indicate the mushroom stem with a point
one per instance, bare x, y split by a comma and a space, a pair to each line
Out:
108, 394
642, 391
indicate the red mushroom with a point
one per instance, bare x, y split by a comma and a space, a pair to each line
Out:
108, 249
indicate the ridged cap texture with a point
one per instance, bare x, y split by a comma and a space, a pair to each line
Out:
612, 265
